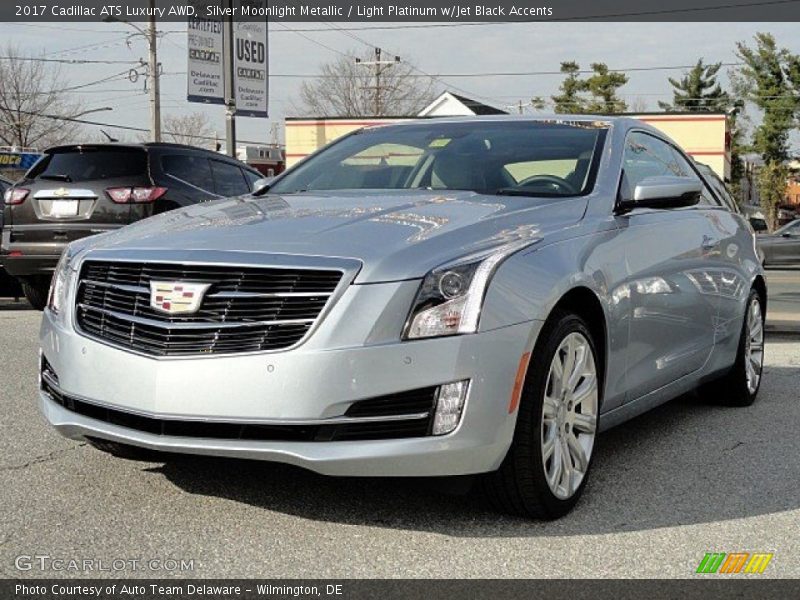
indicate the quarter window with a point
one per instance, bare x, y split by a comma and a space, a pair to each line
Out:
229, 179
193, 170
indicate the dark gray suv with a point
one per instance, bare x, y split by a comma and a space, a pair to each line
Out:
77, 191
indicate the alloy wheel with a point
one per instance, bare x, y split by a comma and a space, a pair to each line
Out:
569, 415
754, 346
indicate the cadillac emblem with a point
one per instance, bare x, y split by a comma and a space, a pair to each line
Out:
177, 297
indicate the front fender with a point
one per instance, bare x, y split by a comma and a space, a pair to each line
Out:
529, 284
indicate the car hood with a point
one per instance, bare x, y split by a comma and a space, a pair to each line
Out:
396, 235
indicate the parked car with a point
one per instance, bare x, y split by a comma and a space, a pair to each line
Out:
77, 191
786, 215
446, 297
755, 216
4, 185
8, 285
781, 247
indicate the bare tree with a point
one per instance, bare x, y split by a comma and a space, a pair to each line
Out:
34, 108
347, 89
638, 105
193, 129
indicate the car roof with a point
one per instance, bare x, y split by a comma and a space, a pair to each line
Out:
128, 146
147, 146
548, 118
621, 121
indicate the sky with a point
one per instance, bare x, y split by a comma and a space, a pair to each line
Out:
496, 48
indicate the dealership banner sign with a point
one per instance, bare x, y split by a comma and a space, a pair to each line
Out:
18, 160
206, 71
496, 11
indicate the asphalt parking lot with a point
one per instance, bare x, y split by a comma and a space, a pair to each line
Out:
683, 480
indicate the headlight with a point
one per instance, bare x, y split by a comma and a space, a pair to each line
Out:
59, 287
450, 298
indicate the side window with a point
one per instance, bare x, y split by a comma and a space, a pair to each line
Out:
707, 197
252, 177
229, 179
647, 156
193, 170
722, 191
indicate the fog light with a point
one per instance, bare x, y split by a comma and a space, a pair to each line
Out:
449, 407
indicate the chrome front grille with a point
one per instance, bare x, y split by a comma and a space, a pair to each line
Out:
246, 309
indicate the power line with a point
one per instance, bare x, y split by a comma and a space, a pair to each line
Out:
507, 74
101, 31
76, 88
106, 44
413, 67
61, 28
313, 41
122, 127
67, 61
422, 74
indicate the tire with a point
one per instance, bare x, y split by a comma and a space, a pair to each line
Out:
123, 450
36, 291
520, 486
737, 387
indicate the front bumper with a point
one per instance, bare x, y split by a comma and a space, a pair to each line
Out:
306, 385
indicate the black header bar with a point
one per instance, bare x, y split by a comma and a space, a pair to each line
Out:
405, 11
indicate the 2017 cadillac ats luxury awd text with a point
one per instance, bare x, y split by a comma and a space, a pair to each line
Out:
439, 297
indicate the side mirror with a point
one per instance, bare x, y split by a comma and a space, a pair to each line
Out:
664, 191
262, 185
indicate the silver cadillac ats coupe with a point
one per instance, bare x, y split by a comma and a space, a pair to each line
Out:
432, 298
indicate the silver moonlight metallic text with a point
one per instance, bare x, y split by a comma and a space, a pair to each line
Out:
443, 297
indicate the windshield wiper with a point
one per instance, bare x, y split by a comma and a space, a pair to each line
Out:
57, 177
527, 194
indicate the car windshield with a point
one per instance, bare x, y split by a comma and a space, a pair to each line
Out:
525, 158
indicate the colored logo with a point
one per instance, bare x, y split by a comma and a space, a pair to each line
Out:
177, 298
735, 562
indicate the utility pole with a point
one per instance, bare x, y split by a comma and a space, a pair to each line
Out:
380, 66
153, 68
229, 62
155, 85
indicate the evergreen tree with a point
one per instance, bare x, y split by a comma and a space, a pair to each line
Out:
595, 94
603, 86
698, 91
570, 101
769, 79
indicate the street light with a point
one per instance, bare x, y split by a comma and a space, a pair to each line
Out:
90, 111
155, 86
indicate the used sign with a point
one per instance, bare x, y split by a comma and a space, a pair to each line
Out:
206, 78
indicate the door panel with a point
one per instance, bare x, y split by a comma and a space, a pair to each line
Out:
787, 249
672, 313
672, 317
